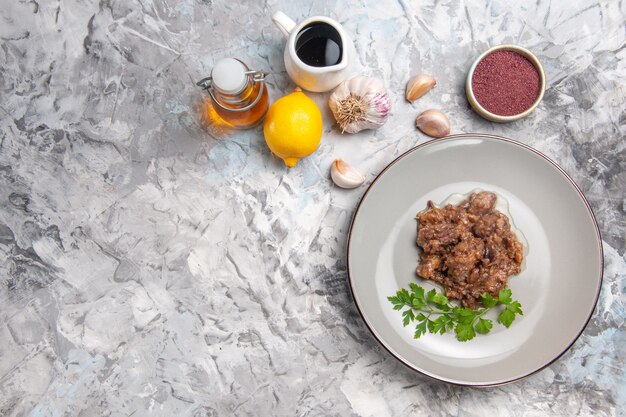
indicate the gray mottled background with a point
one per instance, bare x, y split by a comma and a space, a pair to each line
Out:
150, 268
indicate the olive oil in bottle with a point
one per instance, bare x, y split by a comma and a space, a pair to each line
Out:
238, 96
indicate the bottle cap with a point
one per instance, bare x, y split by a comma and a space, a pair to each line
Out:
229, 75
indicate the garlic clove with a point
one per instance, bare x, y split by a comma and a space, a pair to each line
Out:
433, 123
344, 175
419, 85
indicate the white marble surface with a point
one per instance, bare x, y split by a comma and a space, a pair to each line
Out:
150, 269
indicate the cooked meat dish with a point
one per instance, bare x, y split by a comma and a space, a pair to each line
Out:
469, 248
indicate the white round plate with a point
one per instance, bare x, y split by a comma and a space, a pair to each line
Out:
558, 286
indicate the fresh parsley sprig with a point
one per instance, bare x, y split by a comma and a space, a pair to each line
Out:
433, 312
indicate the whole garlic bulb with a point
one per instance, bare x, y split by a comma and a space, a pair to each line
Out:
360, 103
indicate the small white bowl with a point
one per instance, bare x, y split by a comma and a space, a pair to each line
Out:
496, 117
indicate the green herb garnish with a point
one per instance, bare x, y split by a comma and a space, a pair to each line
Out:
434, 313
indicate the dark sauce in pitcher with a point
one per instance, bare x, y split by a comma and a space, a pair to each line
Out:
319, 45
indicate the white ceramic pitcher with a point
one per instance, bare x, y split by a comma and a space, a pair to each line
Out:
314, 78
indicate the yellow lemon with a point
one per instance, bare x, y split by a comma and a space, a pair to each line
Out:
293, 127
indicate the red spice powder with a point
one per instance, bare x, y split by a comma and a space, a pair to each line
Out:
506, 83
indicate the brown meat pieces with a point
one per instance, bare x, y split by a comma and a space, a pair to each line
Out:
469, 249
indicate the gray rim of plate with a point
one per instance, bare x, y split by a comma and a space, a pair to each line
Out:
524, 147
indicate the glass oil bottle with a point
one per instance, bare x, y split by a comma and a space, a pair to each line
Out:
238, 95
